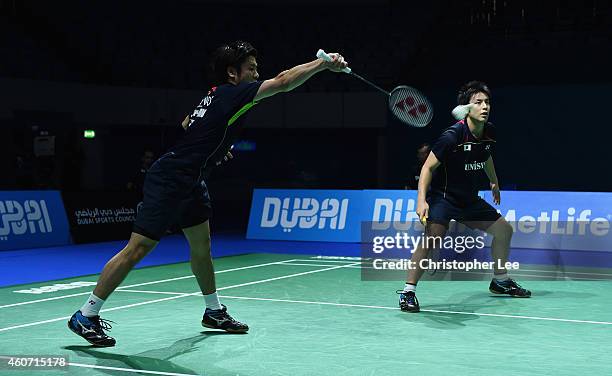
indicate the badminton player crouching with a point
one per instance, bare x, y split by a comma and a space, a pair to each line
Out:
451, 170
175, 191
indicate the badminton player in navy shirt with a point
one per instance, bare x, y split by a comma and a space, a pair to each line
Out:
448, 189
175, 191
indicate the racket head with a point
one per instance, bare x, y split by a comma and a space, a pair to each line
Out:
410, 106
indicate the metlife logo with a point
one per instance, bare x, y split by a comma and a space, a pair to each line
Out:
558, 220
32, 218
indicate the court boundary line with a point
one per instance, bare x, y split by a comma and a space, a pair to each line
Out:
291, 262
141, 284
422, 310
382, 307
558, 278
313, 260
153, 292
175, 297
133, 370
523, 270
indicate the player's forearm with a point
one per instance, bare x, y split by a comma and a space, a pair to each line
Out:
185, 122
299, 74
490, 171
424, 183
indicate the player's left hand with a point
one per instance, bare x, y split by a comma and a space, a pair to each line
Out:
496, 193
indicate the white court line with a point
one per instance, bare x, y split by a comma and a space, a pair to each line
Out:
44, 300
175, 297
285, 262
143, 284
153, 292
121, 369
104, 310
563, 272
561, 277
310, 264
283, 277
129, 370
332, 261
422, 310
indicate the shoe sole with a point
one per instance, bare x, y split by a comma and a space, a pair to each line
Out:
513, 296
92, 343
411, 310
227, 330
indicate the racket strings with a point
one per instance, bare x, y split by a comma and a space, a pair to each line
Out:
410, 106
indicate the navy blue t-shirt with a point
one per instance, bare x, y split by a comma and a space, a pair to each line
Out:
214, 125
462, 158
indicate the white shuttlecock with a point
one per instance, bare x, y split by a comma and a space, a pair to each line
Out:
461, 111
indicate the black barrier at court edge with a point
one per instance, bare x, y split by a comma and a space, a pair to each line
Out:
100, 216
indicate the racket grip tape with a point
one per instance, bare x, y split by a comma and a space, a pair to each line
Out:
423, 221
323, 55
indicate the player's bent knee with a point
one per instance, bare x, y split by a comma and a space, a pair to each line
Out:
202, 250
133, 253
503, 230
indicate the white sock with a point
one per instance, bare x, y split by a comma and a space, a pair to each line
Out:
409, 287
212, 301
92, 306
501, 277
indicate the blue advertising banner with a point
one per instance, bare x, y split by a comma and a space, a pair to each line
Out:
558, 220
315, 215
32, 219
544, 220
391, 210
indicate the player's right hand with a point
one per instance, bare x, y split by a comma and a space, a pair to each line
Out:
337, 64
423, 209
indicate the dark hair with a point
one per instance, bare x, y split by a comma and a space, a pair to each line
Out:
229, 55
471, 88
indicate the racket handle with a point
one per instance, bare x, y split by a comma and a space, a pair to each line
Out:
423, 220
323, 55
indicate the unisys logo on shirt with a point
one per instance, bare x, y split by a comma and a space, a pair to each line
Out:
474, 166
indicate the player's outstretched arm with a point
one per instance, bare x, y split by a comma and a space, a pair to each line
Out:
294, 77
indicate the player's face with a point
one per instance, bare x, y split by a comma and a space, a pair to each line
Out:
481, 109
147, 159
248, 70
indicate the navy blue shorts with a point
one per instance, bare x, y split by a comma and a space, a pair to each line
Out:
477, 215
172, 194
